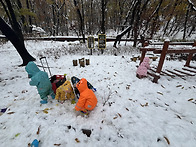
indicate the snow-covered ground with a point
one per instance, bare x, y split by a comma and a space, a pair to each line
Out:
131, 112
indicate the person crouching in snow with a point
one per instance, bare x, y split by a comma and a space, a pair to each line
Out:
87, 100
142, 69
41, 81
64, 92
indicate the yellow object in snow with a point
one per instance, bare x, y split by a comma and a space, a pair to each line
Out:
64, 92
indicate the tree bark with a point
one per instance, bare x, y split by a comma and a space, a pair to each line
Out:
81, 20
16, 41
185, 23
118, 37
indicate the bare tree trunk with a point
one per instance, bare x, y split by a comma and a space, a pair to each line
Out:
81, 19
118, 37
30, 20
155, 19
24, 23
16, 41
14, 23
103, 7
186, 20
137, 21
170, 17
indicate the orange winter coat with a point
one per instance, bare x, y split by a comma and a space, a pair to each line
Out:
87, 98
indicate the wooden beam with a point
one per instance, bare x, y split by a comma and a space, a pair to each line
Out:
143, 56
161, 61
174, 73
173, 43
192, 67
148, 49
189, 59
189, 70
175, 51
183, 72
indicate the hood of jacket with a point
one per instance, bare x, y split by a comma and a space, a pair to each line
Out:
146, 59
31, 69
82, 85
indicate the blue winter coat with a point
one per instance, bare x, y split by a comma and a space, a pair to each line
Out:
39, 79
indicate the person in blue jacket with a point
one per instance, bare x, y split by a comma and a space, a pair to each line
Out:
41, 81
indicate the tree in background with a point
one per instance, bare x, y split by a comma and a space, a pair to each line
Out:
134, 18
14, 33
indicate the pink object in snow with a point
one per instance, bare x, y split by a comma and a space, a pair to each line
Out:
144, 66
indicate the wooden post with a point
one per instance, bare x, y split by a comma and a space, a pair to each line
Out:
189, 59
143, 55
82, 62
87, 61
194, 44
142, 40
190, 56
161, 61
75, 63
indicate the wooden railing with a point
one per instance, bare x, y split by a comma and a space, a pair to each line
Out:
165, 50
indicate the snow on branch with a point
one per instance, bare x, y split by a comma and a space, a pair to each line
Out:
192, 5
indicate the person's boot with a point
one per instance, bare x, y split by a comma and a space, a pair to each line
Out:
43, 101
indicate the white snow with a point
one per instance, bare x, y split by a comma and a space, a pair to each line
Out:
131, 112
37, 29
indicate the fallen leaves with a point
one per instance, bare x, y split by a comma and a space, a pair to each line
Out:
179, 86
160, 93
115, 117
145, 105
190, 99
10, 112
38, 130
24, 91
17, 134
118, 114
167, 140
178, 116
46, 110
77, 140
128, 87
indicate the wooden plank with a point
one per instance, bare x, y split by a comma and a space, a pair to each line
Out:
163, 72
184, 72
152, 74
189, 70
174, 73
158, 51
173, 43
172, 76
192, 67
147, 49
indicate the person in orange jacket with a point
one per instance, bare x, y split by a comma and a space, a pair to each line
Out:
87, 100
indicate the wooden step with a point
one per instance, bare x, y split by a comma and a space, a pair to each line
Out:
183, 72
190, 70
